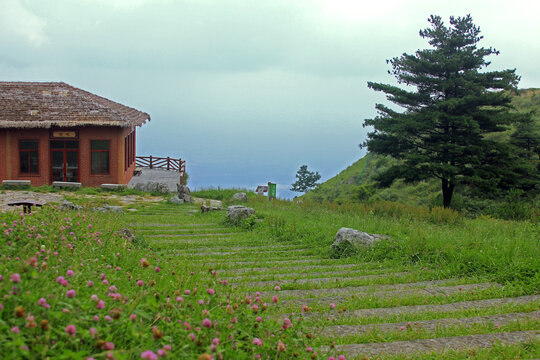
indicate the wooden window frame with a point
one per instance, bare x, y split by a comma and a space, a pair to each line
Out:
92, 151
28, 151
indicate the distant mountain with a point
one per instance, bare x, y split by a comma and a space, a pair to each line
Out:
356, 183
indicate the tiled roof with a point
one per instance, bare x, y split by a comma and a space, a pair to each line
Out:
57, 104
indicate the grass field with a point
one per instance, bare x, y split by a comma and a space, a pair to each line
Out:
194, 286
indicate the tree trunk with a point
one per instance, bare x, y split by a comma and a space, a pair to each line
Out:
447, 192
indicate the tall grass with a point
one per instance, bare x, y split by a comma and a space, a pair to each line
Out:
435, 238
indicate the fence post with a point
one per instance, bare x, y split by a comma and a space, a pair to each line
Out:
150, 161
168, 162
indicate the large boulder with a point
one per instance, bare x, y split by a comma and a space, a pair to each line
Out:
349, 240
184, 193
237, 213
152, 186
240, 197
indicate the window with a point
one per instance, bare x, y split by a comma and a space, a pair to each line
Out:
129, 150
28, 154
100, 156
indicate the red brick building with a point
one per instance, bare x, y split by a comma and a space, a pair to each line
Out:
56, 132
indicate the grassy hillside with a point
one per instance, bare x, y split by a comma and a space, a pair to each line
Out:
528, 99
356, 183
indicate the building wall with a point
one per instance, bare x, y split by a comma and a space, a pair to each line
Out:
118, 172
3, 155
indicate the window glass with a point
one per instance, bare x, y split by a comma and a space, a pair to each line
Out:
95, 163
28, 144
25, 164
100, 156
56, 144
104, 162
100, 144
72, 144
28, 156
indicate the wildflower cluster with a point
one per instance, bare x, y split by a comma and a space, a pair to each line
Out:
70, 284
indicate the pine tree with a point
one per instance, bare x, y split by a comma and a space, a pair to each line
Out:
441, 132
305, 180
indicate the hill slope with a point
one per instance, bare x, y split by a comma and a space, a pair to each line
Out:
355, 182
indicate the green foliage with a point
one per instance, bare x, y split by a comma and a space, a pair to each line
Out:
364, 192
305, 179
442, 132
186, 178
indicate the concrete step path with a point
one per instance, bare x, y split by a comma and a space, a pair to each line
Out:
170, 225
426, 325
435, 308
336, 280
180, 236
432, 292
436, 345
431, 287
269, 277
289, 269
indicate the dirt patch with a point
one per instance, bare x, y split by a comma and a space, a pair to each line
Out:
9, 196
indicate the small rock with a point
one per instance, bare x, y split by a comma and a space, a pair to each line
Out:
176, 200
68, 205
241, 196
206, 208
111, 208
236, 213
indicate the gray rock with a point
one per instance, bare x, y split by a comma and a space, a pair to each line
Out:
206, 208
351, 240
238, 212
113, 186
241, 196
111, 208
176, 200
152, 186
184, 193
68, 205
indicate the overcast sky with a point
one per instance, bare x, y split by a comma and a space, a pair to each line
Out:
246, 90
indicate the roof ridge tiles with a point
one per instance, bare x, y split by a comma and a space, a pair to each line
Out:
20, 100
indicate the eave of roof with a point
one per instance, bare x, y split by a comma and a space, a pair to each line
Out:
57, 104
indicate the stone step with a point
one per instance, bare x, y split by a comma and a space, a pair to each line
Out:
426, 292
336, 280
227, 246
183, 230
306, 259
435, 308
188, 235
431, 287
306, 275
259, 253
426, 325
289, 269
436, 344
170, 225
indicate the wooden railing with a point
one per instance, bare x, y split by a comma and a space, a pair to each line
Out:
167, 163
